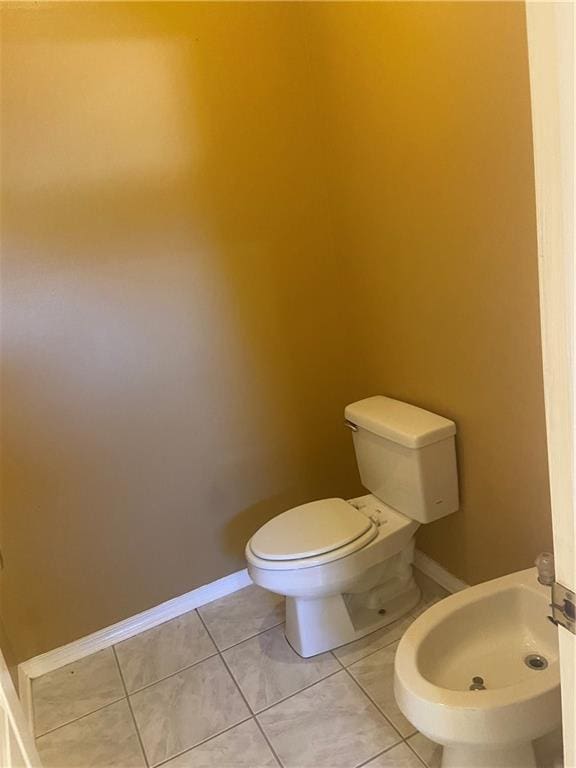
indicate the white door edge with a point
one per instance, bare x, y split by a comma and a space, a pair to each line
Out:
17, 745
551, 34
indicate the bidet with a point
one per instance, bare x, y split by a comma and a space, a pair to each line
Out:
479, 674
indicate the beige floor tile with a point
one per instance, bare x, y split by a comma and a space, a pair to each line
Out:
163, 650
76, 690
268, 670
241, 615
241, 747
400, 756
348, 654
431, 592
181, 711
330, 725
104, 739
375, 674
427, 750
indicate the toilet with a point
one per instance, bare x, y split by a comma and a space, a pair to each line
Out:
478, 673
345, 567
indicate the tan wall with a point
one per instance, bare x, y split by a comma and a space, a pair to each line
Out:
173, 324
428, 116
220, 224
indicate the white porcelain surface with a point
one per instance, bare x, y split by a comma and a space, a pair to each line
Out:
318, 554
412, 470
484, 631
187, 708
330, 725
163, 650
398, 422
317, 577
311, 529
106, 738
75, 690
319, 616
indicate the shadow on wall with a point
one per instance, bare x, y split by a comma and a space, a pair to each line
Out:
216, 233
426, 111
174, 339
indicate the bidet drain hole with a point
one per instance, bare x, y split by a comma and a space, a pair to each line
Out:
535, 661
477, 684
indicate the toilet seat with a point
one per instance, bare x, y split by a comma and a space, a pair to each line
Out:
311, 534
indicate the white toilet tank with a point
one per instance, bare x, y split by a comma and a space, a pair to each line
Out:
406, 456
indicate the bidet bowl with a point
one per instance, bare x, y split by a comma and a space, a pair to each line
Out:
485, 632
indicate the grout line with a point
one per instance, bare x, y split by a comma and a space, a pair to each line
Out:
285, 698
217, 652
80, 717
242, 694
245, 639
254, 715
384, 715
267, 740
337, 659
280, 701
228, 670
130, 708
381, 648
204, 741
189, 749
374, 757
225, 730
301, 690
424, 763
172, 674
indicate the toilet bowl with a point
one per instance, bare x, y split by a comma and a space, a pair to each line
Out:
343, 593
478, 673
345, 567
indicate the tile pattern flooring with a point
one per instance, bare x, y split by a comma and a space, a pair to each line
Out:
221, 688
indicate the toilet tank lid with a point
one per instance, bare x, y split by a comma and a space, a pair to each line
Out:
399, 422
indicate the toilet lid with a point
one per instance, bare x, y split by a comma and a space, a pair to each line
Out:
310, 529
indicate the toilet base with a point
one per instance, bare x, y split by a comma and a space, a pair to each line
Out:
316, 625
512, 756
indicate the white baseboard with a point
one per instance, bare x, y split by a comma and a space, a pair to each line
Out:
109, 636
436, 572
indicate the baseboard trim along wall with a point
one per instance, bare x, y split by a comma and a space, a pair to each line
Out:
109, 636
436, 572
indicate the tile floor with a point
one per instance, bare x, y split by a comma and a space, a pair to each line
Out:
221, 688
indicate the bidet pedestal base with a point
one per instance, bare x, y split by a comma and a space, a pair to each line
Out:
513, 756
316, 625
